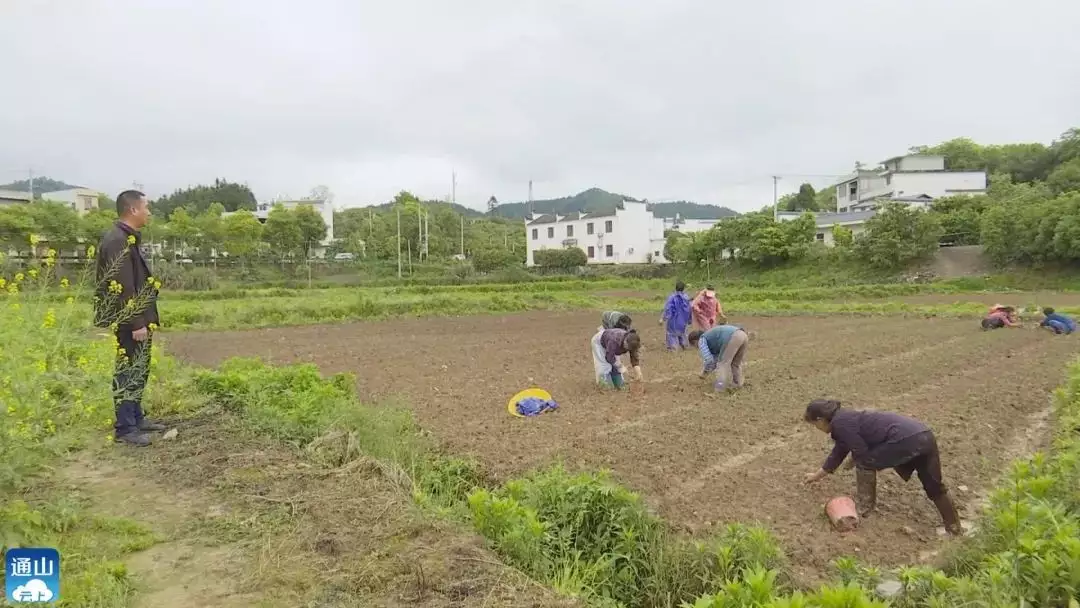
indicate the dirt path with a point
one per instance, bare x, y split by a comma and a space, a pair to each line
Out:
702, 460
246, 523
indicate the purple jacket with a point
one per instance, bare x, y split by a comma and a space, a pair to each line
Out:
612, 341
859, 432
677, 312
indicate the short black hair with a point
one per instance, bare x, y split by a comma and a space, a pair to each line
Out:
632, 341
680, 286
1049, 310
821, 409
126, 201
709, 287
695, 336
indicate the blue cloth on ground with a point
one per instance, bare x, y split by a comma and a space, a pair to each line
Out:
534, 406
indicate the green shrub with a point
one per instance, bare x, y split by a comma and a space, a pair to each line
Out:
562, 259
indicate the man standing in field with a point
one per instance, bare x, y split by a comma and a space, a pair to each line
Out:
126, 302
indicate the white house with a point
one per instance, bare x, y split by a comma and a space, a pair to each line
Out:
686, 226
630, 235
82, 200
852, 220
15, 197
916, 179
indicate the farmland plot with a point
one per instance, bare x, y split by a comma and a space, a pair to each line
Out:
704, 460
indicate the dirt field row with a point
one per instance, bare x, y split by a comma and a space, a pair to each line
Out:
702, 459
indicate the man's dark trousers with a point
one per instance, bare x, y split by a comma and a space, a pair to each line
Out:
129, 382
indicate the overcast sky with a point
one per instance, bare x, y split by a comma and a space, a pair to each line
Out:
664, 100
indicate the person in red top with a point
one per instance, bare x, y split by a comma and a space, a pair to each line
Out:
706, 310
1000, 316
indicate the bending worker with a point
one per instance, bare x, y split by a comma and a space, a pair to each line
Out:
722, 348
607, 345
878, 441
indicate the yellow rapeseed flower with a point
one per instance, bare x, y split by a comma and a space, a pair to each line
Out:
13, 289
50, 319
51, 253
90, 251
3, 282
34, 240
19, 276
157, 284
115, 287
131, 239
153, 326
65, 283
70, 300
33, 272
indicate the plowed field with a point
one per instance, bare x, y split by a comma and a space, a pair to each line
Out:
703, 460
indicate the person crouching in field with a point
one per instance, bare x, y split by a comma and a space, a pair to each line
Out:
723, 349
607, 345
1000, 316
1057, 322
706, 309
677, 317
614, 319
878, 441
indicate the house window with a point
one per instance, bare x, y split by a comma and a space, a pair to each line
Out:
551, 233
656, 254
820, 236
569, 231
607, 226
589, 228
592, 250
536, 234
609, 250
853, 190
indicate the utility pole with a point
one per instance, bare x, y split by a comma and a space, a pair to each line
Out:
409, 247
462, 235
529, 209
31, 184
453, 187
775, 200
399, 243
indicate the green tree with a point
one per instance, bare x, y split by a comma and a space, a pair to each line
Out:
282, 233
242, 233
805, 200
16, 226
211, 230
897, 236
96, 223
826, 199
183, 230
197, 199
57, 223
842, 236
1066, 177
312, 227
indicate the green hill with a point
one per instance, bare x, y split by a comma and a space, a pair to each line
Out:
595, 200
41, 185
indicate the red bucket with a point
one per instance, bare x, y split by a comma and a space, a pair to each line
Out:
842, 513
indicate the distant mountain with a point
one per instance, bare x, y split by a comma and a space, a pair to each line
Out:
595, 200
41, 185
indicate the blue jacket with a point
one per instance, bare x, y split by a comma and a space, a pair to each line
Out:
677, 311
1069, 324
712, 343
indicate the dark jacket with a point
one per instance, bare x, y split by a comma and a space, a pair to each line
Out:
612, 340
120, 261
861, 432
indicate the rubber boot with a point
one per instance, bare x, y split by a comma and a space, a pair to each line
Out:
949, 516
866, 490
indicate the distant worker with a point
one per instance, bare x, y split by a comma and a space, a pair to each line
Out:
723, 349
614, 319
879, 441
676, 316
706, 309
1000, 316
606, 346
1057, 322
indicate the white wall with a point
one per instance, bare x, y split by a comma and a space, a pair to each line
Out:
938, 184
918, 162
79, 199
856, 228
